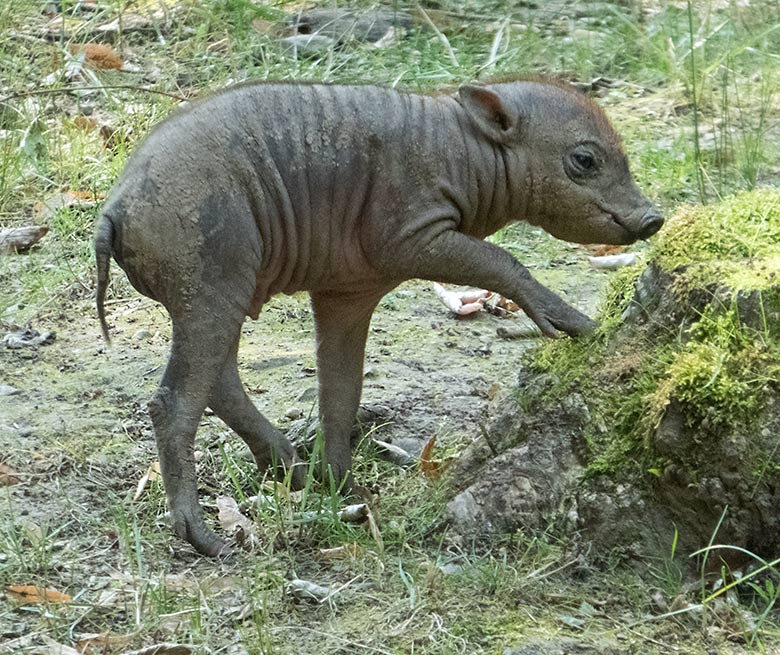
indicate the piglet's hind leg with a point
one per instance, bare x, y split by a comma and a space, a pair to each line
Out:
202, 340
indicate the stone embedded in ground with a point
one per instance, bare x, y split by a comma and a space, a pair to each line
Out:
343, 25
693, 456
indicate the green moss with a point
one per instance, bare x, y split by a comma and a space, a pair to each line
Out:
717, 363
736, 242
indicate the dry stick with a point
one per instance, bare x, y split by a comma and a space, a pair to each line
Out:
441, 36
70, 89
652, 641
539, 573
497, 39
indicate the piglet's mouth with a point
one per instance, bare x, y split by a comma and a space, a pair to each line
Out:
629, 236
648, 225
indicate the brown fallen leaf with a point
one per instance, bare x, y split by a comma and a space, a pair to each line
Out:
86, 123
98, 55
230, 517
80, 199
234, 523
347, 551
500, 305
8, 476
101, 642
152, 473
266, 26
32, 594
599, 250
373, 528
21, 239
430, 467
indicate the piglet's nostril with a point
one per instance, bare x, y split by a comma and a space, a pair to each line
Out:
651, 223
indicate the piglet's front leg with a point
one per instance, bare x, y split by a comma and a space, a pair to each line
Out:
460, 259
341, 320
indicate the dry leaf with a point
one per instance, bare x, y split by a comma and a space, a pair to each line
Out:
100, 642
230, 517
31, 594
499, 305
85, 123
152, 473
373, 528
395, 454
21, 239
8, 476
430, 468
347, 551
599, 250
305, 590
98, 55
265, 26
277, 489
81, 199
235, 523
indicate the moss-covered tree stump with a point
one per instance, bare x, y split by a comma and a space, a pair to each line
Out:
663, 428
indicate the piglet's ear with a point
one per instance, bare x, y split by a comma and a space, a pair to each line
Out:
485, 107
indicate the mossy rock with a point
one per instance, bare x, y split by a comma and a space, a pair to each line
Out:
663, 428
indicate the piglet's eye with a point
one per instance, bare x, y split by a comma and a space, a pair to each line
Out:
581, 164
584, 160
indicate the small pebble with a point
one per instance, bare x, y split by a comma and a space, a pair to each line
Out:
141, 335
5, 390
293, 413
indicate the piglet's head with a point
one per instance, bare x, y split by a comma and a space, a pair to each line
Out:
565, 160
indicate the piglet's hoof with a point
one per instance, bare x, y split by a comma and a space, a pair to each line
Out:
212, 546
202, 539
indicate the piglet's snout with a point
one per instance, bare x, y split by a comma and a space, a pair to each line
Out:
651, 222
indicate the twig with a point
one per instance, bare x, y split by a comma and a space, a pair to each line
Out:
102, 87
666, 615
538, 575
676, 649
441, 36
497, 39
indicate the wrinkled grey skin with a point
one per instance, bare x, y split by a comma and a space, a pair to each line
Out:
345, 192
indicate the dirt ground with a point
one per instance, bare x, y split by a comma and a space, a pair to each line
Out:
78, 402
